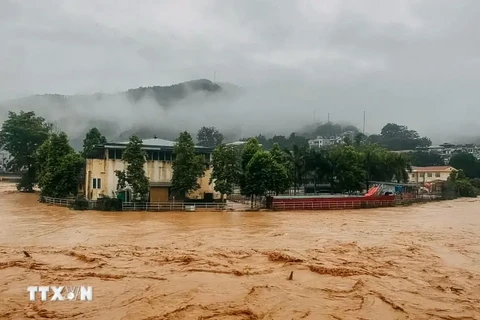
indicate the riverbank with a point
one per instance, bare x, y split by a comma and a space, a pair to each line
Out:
419, 262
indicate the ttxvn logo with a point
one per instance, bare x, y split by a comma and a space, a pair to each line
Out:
61, 293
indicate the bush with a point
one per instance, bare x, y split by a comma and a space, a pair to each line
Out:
80, 203
106, 203
463, 188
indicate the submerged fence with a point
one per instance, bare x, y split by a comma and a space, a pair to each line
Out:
143, 206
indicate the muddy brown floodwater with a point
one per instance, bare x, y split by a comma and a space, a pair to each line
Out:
420, 262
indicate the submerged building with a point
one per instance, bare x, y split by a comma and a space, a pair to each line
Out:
104, 160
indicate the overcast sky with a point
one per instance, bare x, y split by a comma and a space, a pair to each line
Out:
414, 62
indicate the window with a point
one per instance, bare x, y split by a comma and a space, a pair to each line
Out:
413, 175
96, 183
437, 174
422, 174
115, 154
429, 174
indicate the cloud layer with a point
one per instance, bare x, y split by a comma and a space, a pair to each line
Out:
415, 62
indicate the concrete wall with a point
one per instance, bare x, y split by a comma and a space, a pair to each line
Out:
423, 177
156, 171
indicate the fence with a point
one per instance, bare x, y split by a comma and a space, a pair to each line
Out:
171, 206
331, 205
143, 206
59, 202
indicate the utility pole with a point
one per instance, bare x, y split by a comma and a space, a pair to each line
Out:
364, 122
328, 118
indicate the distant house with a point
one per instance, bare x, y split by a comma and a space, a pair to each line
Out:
423, 175
104, 160
447, 150
324, 141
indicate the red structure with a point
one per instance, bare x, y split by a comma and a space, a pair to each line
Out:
331, 202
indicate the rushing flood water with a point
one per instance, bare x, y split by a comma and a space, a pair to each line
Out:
420, 262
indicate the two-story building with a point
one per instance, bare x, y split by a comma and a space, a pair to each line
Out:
104, 160
422, 175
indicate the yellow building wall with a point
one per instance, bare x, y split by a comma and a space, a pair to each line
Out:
418, 178
156, 171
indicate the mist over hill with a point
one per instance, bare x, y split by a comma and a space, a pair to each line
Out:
146, 111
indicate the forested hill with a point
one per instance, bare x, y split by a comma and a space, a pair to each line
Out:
163, 95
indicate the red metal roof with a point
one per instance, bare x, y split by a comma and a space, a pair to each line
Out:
433, 168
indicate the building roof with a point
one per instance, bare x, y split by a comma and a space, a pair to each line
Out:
154, 144
433, 169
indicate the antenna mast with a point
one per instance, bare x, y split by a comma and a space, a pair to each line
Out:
363, 122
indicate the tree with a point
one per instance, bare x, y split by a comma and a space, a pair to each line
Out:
249, 150
466, 162
21, 136
298, 157
425, 159
282, 158
461, 185
374, 163
318, 165
209, 137
134, 175
225, 171
60, 167
92, 138
398, 165
258, 174
347, 171
399, 137
188, 167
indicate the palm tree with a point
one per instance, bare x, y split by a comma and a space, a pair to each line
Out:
399, 166
298, 158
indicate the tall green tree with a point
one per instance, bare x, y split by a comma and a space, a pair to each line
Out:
318, 166
225, 171
347, 169
92, 138
466, 162
282, 158
258, 174
250, 148
188, 167
425, 159
398, 165
21, 136
134, 175
209, 137
60, 167
298, 157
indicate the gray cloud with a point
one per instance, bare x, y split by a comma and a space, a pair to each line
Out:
414, 62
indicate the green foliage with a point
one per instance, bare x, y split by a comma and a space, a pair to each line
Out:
106, 203
225, 171
461, 185
464, 188
21, 135
283, 141
265, 175
60, 167
80, 203
188, 167
466, 162
92, 138
425, 159
399, 137
347, 168
209, 137
134, 175
298, 158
